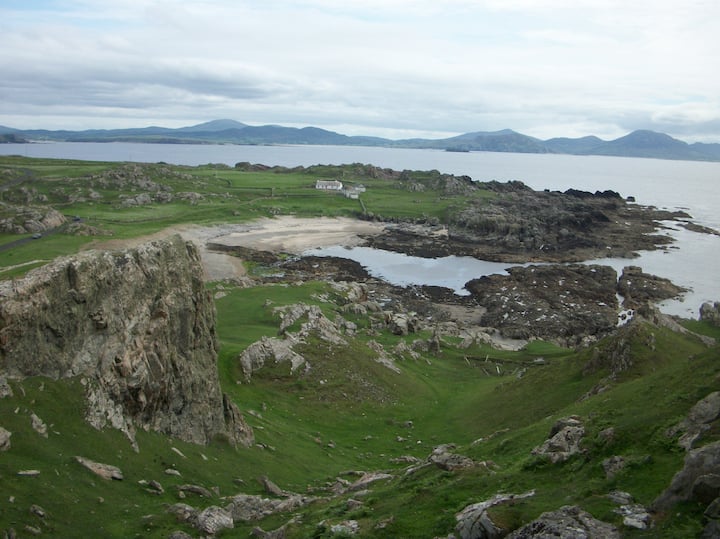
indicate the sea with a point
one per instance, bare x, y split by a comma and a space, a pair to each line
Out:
692, 261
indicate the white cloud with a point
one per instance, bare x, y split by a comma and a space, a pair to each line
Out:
544, 67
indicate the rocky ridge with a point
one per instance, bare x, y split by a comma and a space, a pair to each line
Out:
137, 327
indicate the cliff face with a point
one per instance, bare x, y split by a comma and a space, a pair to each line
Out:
137, 326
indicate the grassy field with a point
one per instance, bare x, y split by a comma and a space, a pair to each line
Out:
348, 412
98, 194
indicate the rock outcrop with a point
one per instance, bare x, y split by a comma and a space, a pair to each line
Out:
698, 480
28, 219
568, 522
474, 522
562, 303
563, 441
137, 327
699, 420
639, 288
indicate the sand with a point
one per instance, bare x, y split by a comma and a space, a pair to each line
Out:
286, 234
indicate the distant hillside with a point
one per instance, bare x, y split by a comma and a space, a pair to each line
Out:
640, 143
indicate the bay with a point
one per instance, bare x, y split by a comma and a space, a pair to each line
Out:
693, 186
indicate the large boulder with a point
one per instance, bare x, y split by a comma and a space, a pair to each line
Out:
568, 522
698, 420
474, 522
699, 475
137, 327
563, 441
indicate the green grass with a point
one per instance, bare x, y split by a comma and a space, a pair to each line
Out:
347, 412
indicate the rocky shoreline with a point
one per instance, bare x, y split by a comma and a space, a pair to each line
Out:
521, 225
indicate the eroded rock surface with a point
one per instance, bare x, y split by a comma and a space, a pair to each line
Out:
137, 326
568, 522
558, 302
639, 288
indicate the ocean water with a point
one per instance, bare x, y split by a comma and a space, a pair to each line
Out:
693, 261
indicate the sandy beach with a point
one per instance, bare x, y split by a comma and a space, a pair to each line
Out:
286, 234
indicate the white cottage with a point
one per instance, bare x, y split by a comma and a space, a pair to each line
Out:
329, 185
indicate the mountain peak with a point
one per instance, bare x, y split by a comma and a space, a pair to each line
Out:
216, 125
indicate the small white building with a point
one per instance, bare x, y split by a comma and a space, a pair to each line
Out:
329, 185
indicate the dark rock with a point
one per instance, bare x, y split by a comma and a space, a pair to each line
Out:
568, 522
711, 530
521, 225
713, 510
706, 488
556, 302
639, 288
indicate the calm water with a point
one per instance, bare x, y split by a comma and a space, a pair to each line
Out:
693, 262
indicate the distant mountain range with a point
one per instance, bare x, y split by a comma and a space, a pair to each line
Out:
641, 143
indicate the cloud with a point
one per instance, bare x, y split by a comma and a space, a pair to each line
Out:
540, 66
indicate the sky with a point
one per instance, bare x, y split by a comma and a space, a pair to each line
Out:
391, 68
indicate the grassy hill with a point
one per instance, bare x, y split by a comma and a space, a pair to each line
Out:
350, 413
317, 429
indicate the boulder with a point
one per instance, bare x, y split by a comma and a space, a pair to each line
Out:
4, 439
698, 420
213, 519
563, 441
38, 425
445, 459
568, 522
270, 349
5, 389
106, 471
473, 522
699, 462
29, 219
247, 507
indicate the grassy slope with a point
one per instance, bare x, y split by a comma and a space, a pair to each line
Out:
347, 399
297, 418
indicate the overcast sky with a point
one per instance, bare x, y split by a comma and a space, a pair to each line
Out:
393, 68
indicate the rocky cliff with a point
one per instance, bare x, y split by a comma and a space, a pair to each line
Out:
137, 326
